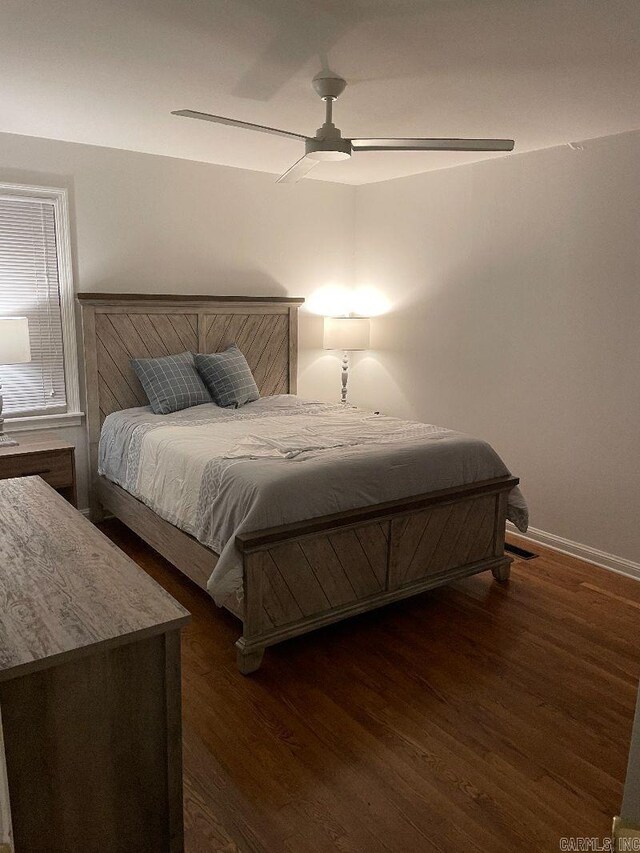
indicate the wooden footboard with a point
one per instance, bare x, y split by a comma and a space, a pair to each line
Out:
305, 575
302, 576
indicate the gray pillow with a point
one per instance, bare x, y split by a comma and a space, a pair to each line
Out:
228, 377
171, 382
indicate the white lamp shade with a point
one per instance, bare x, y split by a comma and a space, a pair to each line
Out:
346, 333
14, 340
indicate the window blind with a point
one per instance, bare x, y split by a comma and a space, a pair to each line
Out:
29, 287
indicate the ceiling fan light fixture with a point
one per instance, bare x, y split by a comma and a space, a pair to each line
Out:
328, 155
328, 149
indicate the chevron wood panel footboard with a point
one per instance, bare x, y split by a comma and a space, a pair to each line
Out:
316, 574
441, 538
305, 575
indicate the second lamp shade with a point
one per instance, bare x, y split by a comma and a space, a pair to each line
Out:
346, 333
14, 340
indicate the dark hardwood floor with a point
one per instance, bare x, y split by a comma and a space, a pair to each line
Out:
480, 717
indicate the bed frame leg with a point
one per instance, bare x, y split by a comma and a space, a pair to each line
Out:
502, 573
248, 660
96, 512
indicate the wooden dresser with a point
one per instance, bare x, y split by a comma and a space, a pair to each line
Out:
49, 458
89, 686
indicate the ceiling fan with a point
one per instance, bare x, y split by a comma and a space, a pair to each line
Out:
328, 143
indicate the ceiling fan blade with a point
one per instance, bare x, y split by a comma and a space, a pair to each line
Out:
298, 170
247, 125
432, 144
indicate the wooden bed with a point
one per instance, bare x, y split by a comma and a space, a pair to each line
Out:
299, 576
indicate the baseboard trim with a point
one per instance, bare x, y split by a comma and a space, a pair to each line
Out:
583, 552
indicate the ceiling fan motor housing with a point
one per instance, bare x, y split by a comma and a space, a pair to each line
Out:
329, 86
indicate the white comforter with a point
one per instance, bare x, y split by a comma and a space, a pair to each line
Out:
218, 472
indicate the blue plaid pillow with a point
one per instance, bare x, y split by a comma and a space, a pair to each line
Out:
171, 382
228, 376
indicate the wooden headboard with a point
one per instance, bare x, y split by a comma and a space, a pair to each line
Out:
120, 326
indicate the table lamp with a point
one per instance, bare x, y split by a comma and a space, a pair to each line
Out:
14, 349
347, 334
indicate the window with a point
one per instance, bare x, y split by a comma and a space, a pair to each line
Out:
36, 282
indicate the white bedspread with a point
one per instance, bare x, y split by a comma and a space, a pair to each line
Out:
218, 472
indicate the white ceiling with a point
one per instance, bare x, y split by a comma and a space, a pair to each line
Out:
108, 72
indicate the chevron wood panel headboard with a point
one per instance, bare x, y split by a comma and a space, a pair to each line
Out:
119, 327
264, 340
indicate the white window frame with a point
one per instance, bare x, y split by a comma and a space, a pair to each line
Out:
73, 415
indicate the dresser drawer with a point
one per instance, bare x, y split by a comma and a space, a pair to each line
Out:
55, 467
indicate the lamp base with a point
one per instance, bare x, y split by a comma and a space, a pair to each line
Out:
5, 440
345, 377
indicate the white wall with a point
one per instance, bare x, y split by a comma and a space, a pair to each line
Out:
515, 293
146, 223
513, 286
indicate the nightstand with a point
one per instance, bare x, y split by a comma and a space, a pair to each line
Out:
52, 460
